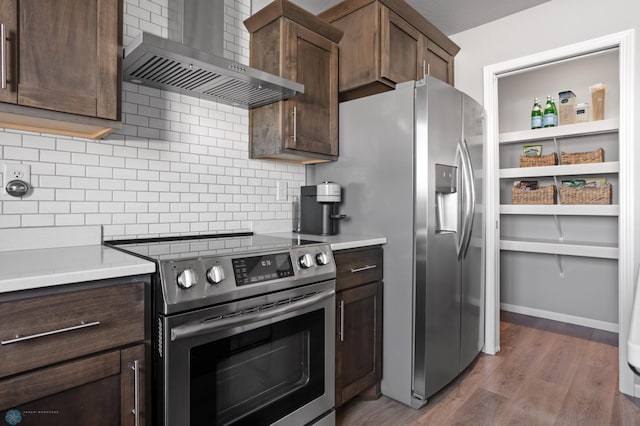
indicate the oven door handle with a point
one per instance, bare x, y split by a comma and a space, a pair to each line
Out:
190, 330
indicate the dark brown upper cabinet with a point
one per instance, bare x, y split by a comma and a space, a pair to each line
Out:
61, 66
290, 42
387, 42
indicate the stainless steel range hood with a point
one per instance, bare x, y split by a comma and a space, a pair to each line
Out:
191, 61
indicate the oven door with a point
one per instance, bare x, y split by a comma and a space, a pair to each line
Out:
264, 360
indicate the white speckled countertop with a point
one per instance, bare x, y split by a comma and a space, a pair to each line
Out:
338, 242
42, 257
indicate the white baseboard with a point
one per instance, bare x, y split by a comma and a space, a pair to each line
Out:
571, 319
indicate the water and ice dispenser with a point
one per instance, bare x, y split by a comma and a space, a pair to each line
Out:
447, 217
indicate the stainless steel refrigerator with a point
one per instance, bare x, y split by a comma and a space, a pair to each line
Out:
411, 169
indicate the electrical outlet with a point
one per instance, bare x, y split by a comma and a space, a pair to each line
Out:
281, 190
15, 171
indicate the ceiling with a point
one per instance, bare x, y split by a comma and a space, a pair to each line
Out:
450, 16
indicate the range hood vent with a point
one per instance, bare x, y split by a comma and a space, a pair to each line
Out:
190, 61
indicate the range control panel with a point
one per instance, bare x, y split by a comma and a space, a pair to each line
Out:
255, 269
203, 281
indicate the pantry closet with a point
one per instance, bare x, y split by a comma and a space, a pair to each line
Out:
561, 252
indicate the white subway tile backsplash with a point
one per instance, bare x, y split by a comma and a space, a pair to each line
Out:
17, 153
69, 219
99, 172
10, 221
35, 141
85, 183
54, 182
179, 164
124, 196
69, 194
69, 170
98, 196
87, 159
70, 145
29, 220
84, 207
54, 207
99, 219
19, 207
124, 218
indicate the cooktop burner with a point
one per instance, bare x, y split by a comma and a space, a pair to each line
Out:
209, 245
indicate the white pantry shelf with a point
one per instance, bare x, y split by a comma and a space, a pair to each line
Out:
561, 209
562, 170
567, 248
570, 130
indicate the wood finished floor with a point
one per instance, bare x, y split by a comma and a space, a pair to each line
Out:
547, 373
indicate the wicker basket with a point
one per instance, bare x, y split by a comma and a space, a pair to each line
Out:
601, 195
596, 156
543, 160
542, 195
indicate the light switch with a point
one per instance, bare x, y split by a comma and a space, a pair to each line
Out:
281, 190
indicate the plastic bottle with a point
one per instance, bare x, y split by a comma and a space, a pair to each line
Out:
536, 115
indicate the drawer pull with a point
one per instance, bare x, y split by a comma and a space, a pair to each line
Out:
3, 53
341, 332
19, 338
136, 391
364, 268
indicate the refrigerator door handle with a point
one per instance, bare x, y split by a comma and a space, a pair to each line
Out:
470, 195
459, 236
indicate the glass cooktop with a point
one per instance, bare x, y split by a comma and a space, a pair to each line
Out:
173, 249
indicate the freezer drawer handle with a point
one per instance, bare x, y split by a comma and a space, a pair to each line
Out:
50, 333
364, 268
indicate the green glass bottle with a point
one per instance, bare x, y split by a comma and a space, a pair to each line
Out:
536, 115
555, 112
549, 116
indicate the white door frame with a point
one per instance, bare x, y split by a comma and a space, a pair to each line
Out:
624, 41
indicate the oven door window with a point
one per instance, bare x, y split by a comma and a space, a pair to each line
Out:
258, 376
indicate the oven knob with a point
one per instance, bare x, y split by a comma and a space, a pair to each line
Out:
306, 261
187, 278
215, 274
322, 258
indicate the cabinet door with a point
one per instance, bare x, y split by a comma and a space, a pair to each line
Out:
9, 21
400, 56
359, 340
85, 392
312, 118
133, 386
438, 62
68, 52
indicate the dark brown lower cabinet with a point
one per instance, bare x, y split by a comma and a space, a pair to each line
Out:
76, 356
358, 345
98, 391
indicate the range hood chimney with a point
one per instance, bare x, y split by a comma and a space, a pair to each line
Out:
191, 61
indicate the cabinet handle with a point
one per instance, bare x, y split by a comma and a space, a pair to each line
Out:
49, 333
364, 268
294, 114
3, 53
341, 333
136, 391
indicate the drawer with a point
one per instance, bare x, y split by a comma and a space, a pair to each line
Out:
60, 327
357, 266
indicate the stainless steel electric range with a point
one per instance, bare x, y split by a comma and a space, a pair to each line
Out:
243, 329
